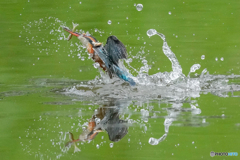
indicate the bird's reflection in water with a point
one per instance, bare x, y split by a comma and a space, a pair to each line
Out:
105, 118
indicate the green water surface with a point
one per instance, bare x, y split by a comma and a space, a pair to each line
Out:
35, 64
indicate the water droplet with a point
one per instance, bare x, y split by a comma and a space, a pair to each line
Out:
111, 145
145, 113
153, 141
169, 12
151, 32
192, 142
216, 59
109, 22
97, 120
195, 67
80, 2
139, 7
204, 121
222, 59
96, 65
126, 17
203, 57
129, 60
97, 146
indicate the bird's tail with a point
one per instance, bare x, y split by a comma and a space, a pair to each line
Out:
131, 81
124, 75
71, 32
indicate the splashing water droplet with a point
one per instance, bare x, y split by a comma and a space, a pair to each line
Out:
203, 57
216, 59
169, 13
153, 141
97, 146
204, 121
88, 34
129, 60
195, 67
97, 120
109, 22
139, 7
145, 114
111, 145
222, 59
96, 65
151, 32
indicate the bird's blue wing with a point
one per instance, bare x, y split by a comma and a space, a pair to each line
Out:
104, 56
116, 49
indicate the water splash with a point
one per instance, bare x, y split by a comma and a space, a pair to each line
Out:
139, 7
160, 85
173, 85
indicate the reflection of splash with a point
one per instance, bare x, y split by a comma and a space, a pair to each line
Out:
172, 116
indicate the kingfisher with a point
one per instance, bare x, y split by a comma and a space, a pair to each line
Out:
107, 56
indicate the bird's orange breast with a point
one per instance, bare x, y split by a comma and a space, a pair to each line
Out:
95, 57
